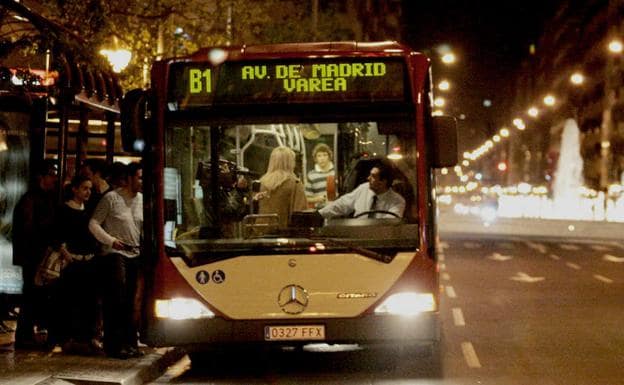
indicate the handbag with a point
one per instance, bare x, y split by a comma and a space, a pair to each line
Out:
49, 270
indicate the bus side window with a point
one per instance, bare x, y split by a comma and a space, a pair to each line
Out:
402, 186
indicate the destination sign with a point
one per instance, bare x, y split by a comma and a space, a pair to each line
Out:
193, 85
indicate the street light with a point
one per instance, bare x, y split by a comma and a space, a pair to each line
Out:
533, 112
444, 85
118, 58
519, 123
549, 100
615, 46
448, 58
577, 78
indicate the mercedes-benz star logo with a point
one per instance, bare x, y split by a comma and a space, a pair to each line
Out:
293, 299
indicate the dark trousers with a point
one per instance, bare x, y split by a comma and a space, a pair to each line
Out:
119, 288
35, 307
77, 303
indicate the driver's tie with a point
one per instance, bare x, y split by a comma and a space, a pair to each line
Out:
373, 207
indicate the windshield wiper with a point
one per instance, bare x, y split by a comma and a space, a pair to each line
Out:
385, 258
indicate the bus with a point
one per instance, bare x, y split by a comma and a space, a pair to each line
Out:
212, 119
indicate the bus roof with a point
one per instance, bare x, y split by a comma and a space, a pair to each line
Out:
308, 49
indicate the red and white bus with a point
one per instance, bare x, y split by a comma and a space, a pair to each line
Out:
213, 118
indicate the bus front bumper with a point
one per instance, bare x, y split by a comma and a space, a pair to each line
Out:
369, 329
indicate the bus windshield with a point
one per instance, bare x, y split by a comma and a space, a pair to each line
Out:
213, 192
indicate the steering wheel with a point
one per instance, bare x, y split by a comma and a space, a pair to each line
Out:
377, 212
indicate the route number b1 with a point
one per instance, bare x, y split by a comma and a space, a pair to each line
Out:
200, 81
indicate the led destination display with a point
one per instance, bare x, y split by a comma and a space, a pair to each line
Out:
304, 81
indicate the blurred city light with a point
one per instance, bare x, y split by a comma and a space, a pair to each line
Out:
217, 56
533, 112
577, 78
519, 123
118, 58
549, 100
615, 46
444, 85
504, 132
439, 102
448, 58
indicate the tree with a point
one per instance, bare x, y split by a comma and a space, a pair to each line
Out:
153, 29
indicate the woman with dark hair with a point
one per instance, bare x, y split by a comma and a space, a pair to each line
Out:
77, 289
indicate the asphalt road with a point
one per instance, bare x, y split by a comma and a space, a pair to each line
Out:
514, 311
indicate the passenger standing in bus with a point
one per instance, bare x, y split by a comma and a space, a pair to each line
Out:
75, 320
369, 197
117, 223
316, 180
33, 232
281, 192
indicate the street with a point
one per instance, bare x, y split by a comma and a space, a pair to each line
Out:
534, 312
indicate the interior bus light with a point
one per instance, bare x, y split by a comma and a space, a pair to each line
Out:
407, 304
182, 308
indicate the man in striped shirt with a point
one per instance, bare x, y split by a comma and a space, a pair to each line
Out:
316, 180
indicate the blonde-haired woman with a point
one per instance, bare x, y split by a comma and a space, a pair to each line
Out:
281, 192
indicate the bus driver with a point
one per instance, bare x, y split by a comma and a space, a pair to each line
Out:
369, 198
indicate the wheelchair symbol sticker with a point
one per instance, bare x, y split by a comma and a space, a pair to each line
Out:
202, 277
218, 276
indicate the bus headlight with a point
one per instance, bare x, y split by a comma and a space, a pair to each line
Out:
181, 308
407, 304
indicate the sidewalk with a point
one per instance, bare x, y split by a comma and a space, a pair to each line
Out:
47, 368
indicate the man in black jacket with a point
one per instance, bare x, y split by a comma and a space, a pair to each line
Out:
33, 222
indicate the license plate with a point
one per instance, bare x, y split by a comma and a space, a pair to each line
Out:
294, 332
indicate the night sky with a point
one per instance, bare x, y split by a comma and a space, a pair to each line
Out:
490, 39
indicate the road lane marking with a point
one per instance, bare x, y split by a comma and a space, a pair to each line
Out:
603, 278
537, 246
573, 266
570, 247
470, 355
524, 277
499, 257
458, 317
446, 276
555, 257
450, 292
600, 248
612, 258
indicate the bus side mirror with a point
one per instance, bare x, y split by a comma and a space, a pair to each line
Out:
134, 120
444, 139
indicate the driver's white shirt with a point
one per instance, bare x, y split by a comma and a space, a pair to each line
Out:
359, 201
